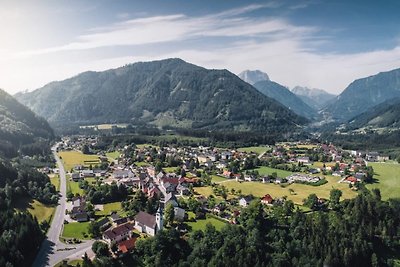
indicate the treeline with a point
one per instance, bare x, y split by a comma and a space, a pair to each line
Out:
20, 233
363, 231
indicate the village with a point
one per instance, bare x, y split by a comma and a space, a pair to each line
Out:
124, 193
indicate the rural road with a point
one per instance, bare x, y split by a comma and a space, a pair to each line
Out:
52, 250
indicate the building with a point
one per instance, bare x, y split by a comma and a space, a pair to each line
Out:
245, 201
267, 199
149, 224
119, 233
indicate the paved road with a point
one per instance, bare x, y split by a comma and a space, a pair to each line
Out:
52, 250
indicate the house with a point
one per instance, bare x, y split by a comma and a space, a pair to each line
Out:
128, 245
351, 179
249, 178
81, 216
75, 177
304, 160
149, 224
267, 199
87, 173
120, 174
169, 198
116, 234
372, 156
245, 201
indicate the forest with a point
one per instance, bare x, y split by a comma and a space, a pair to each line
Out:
363, 231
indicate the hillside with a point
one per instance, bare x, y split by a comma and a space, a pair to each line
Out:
286, 97
365, 93
169, 92
385, 115
19, 126
315, 98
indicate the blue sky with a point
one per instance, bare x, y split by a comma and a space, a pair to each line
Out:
320, 44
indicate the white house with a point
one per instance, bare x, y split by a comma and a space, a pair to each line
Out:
121, 232
149, 224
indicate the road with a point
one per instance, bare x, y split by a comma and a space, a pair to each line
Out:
52, 250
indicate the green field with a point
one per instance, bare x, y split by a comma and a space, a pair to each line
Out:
109, 207
41, 211
388, 176
113, 155
70, 263
301, 191
218, 179
170, 169
268, 171
73, 187
256, 149
76, 230
141, 146
201, 224
73, 158
55, 180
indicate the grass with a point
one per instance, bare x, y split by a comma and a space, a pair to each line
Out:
256, 149
73, 158
41, 211
301, 191
109, 207
113, 155
388, 176
201, 224
141, 146
217, 179
268, 171
73, 187
170, 169
142, 164
55, 180
70, 263
76, 230
204, 190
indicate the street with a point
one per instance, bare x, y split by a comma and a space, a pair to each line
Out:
52, 249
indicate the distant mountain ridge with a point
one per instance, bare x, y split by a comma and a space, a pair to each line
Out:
19, 125
365, 93
253, 76
168, 92
384, 115
315, 98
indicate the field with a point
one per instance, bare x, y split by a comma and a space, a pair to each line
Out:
113, 155
55, 180
34, 207
301, 191
73, 158
268, 171
201, 224
76, 230
109, 207
388, 176
170, 169
73, 187
217, 179
256, 149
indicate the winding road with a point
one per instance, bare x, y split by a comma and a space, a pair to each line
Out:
52, 250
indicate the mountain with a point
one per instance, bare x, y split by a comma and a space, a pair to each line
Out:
315, 98
365, 93
286, 97
253, 76
385, 115
168, 92
19, 126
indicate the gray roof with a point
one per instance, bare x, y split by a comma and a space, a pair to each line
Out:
146, 219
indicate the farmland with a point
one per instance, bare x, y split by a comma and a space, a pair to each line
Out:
388, 177
73, 158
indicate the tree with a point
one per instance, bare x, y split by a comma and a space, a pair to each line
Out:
334, 198
100, 249
85, 149
169, 214
311, 201
94, 229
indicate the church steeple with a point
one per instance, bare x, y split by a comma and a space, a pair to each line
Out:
159, 219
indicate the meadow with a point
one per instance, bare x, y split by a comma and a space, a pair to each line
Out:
77, 230
256, 149
201, 224
73, 158
39, 210
387, 177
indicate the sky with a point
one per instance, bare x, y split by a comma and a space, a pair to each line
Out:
316, 43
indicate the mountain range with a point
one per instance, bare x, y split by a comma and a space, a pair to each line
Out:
315, 98
168, 92
280, 93
365, 93
19, 125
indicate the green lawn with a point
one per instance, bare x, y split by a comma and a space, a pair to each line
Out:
169, 169
301, 191
201, 224
76, 230
55, 180
256, 149
204, 190
109, 207
73, 187
70, 263
73, 158
268, 171
217, 179
388, 175
41, 211
113, 155
142, 164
